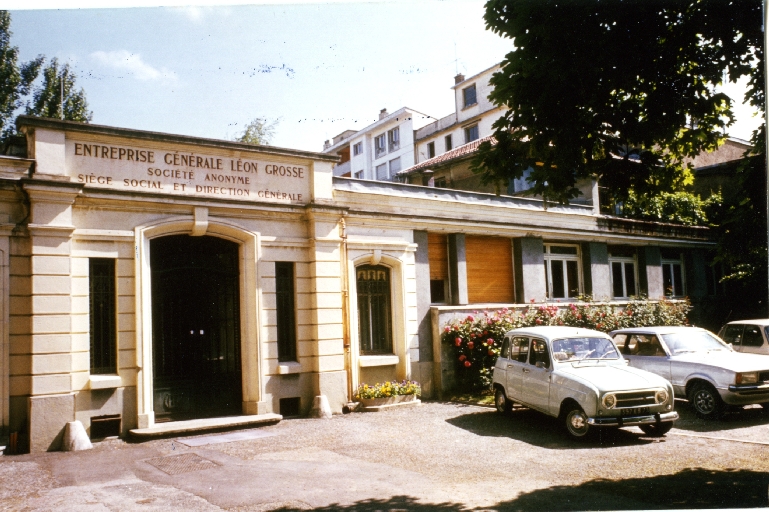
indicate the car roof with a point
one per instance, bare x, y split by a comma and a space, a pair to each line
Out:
756, 321
554, 331
661, 329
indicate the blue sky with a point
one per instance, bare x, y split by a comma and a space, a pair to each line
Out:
319, 68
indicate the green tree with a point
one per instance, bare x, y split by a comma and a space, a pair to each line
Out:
623, 91
260, 131
15, 79
57, 96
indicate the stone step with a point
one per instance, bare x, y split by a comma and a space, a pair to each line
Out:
204, 425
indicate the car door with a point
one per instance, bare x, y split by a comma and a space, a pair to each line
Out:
503, 361
752, 340
536, 376
644, 351
517, 364
732, 333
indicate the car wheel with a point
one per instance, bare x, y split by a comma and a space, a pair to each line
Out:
501, 402
575, 421
706, 401
657, 429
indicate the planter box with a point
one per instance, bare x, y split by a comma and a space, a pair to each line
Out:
378, 404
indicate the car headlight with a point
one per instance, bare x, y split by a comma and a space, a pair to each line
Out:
661, 396
609, 400
746, 378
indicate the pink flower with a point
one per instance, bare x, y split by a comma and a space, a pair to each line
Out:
458, 342
470, 318
490, 342
470, 345
446, 329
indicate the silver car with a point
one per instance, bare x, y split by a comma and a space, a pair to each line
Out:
747, 335
702, 368
578, 376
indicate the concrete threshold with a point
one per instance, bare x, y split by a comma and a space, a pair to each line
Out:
204, 425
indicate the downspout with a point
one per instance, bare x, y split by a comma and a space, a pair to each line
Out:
345, 315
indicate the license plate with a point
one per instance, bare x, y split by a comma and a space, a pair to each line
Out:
634, 411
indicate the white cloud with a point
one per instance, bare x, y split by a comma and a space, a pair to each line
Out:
133, 65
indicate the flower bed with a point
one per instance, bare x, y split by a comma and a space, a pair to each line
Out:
388, 389
477, 339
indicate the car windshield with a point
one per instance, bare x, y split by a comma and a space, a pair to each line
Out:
578, 349
692, 341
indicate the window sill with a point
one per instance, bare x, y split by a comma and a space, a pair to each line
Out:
105, 382
471, 105
289, 367
366, 361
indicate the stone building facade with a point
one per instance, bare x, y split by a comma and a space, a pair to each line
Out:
150, 278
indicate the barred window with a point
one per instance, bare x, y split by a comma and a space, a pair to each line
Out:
103, 328
286, 312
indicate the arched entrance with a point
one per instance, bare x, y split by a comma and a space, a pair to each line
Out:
195, 327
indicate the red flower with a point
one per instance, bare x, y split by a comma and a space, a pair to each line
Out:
468, 364
539, 321
470, 318
491, 352
462, 357
485, 333
490, 341
458, 342
470, 345
446, 329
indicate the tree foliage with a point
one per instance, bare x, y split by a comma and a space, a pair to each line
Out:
58, 97
620, 90
15, 79
260, 131
674, 207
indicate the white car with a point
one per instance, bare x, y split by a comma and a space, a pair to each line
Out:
747, 335
578, 375
701, 367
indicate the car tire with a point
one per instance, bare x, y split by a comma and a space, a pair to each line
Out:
503, 405
706, 401
575, 424
657, 429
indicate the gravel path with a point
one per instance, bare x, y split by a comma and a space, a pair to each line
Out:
436, 456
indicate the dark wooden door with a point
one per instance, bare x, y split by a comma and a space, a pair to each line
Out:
195, 327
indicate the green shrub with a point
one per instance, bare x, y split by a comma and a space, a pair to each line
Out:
477, 339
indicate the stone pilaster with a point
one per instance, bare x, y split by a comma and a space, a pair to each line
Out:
650, 272
458, 269
529, 261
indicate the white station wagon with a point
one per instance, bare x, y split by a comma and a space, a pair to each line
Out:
578, 376
702, 368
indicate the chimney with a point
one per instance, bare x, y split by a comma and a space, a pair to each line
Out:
326, 145
383, 113
459, 78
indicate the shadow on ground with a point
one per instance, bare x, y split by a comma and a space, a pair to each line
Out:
735, 418
688, 489
538, 429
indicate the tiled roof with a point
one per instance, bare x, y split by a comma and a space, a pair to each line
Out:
449, 156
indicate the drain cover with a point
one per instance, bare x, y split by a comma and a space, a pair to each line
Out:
184, 463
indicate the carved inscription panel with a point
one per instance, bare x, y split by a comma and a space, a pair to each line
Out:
186, 173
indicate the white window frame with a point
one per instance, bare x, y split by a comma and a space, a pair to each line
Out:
622, 260
430, 150
549, 258
467, 133
464, 96
671, 263
380, 145
393, 139
357, 149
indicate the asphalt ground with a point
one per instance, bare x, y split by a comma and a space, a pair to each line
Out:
436, 456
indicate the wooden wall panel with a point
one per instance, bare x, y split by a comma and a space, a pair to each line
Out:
438, 256
489, 269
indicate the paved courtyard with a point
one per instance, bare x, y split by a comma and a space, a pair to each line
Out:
437, 456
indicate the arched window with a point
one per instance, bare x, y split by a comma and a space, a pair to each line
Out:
374, 311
